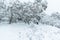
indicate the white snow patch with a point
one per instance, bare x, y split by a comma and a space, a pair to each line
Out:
25, 32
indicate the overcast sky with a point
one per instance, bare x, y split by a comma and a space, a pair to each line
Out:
53, 6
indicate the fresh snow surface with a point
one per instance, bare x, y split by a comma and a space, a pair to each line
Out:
28, 32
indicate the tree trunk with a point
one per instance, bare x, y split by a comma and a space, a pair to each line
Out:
10, 21
11, 17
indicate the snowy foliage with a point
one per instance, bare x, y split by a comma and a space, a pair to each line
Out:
25, 12
53, 20
2, 11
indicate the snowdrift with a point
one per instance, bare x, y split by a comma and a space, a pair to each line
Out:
28, 32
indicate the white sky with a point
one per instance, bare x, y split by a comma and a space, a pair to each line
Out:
53, 6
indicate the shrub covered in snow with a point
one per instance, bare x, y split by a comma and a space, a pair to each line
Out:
53, 20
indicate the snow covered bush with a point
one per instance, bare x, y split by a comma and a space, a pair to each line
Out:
53, 20
56, 17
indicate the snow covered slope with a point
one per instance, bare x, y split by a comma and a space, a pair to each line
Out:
28, 32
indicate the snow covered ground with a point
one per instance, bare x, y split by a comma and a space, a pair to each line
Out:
31, 32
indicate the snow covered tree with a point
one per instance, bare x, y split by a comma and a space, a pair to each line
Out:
2, 10
56, 15
27, 12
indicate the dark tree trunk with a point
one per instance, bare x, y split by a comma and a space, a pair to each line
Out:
11, 17
10, 21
